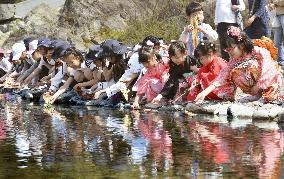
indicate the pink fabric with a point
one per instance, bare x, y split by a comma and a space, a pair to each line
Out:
248, 72
153, 81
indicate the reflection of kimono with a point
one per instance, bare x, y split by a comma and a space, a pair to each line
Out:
160, 141
206, 75
212, 146
153, 81
272, 143
256, 70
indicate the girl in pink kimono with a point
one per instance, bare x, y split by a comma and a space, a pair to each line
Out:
153, 81
251, 69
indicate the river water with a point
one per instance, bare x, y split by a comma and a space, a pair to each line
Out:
76, 142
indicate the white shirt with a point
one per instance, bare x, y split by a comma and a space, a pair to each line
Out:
48, 64
209, 32
133, 67
224, 13
58, 77
5, 64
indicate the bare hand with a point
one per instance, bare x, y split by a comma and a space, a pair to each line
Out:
189, 28
98, 94
157, 99
135, 106
201, 30
200, 98
44, 79
250, 21
235, 8
77, 87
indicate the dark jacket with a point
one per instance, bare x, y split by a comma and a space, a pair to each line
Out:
176, 75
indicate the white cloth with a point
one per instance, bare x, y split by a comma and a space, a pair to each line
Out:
58, 77
48, 64
133, 67
224, 13
5, 64
209, 32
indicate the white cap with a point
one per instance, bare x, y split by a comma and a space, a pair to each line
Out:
17, 50
32, 47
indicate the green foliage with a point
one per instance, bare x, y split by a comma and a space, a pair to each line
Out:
168, 29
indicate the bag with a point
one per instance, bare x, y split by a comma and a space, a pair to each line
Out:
239, 17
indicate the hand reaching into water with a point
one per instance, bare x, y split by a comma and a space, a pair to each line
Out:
135, 106
157, 99
200, 98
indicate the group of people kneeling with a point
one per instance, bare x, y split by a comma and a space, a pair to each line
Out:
151, 72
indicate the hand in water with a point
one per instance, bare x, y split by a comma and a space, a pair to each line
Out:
200, 98
157, 99
135, 106
98, 94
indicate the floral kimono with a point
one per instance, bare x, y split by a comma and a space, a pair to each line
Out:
255, 74
206, 75
153, 81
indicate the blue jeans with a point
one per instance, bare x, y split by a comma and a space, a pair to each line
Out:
278, 36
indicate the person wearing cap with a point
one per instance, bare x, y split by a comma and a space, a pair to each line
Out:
46, 65
115, 67
19, 54
130, 75
73, 58
59, 48
5, 64
34, 58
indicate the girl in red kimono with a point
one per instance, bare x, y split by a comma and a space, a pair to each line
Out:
251, 69
153, 81
205, 52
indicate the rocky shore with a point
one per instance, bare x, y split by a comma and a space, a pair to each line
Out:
248, 110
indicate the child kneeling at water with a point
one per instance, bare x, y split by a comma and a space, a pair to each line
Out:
180, 65
251, 69
211, 66
73, 58
153, 81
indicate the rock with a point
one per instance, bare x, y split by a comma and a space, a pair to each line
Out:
268, 111
7, 12
22, 9
152, 106
241, 111
26, 94
199, 109
4, 28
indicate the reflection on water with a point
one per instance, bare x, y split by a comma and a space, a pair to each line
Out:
70, 142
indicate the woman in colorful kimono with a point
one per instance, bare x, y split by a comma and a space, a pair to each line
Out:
251, 68
153, 81
211, 67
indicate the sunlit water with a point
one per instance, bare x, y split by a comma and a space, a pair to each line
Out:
73, 142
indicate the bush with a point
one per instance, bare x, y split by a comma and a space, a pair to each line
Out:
167, 29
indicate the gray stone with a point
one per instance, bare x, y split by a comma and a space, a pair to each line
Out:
7, 11
268, 111
4, 28
199, 109
241, 111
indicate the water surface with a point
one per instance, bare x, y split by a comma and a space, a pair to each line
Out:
76, 142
